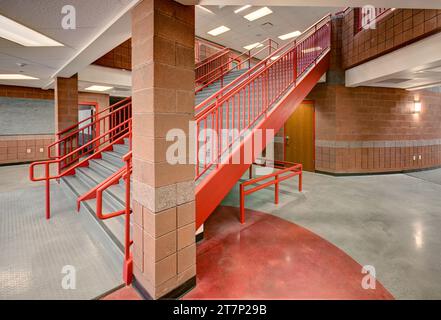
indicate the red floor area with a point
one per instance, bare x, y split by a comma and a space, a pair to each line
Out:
270, 258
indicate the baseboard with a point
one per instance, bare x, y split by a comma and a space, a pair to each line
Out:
354, 174
17, 163
172, 295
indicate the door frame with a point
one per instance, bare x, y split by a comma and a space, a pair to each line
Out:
311, 102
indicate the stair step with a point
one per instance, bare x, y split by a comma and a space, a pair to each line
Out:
113, 157
114, 227
121, 149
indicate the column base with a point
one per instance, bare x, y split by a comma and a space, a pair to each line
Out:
175, 294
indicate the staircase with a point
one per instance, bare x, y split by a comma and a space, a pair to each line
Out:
211, 89
239, 98
262, 98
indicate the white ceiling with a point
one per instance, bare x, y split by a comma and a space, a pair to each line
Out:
243, 32
93, 18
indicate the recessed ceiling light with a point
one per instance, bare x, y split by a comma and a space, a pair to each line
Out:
16, 77
242, 8
25, 36
290, 35
253, 46
219, 30
204, 9
98, 88
258, 14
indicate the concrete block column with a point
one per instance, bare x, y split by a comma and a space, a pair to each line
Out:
163, 193
66, 102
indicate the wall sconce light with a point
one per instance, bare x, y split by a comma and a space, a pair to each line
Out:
417, 107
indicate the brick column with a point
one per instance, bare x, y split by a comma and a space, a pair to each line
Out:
66, 102
163, 194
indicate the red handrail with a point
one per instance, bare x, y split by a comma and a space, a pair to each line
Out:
210, 64
99, 144
72, 140
250, 101
224, 69
263, 63
125, 173
198, 43
275, 178
59, 133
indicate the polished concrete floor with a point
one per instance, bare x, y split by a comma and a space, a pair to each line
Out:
391, 222
34, 251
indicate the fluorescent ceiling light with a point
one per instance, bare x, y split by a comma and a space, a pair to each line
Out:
204, 9
242, 8
258, 14
290, 35
20, 34
218, 30
275, 57
16, 77
253, 46
98, 88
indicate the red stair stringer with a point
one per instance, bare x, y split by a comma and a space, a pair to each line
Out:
214, 188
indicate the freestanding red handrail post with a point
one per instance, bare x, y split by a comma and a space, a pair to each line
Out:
128, 260
48, 192
242, 204
284, 173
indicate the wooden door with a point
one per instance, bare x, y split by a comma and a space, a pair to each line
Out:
300, 136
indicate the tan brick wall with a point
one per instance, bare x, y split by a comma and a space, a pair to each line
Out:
15, 149
66, 102
26, 92
399, 28
119, 58
24, 148
375, 130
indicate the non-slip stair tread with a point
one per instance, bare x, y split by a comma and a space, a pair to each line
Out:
113, 158
107, 165
115, 226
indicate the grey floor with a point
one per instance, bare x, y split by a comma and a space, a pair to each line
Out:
33, 251
391, 222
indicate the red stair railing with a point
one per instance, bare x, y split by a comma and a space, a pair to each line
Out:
94, 147
250, 100
199, 43
124, 173
92, 118
285, 171
242, 59
73, 139
207, 66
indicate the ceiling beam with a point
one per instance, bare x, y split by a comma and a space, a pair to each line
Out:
412, 58
113, 34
